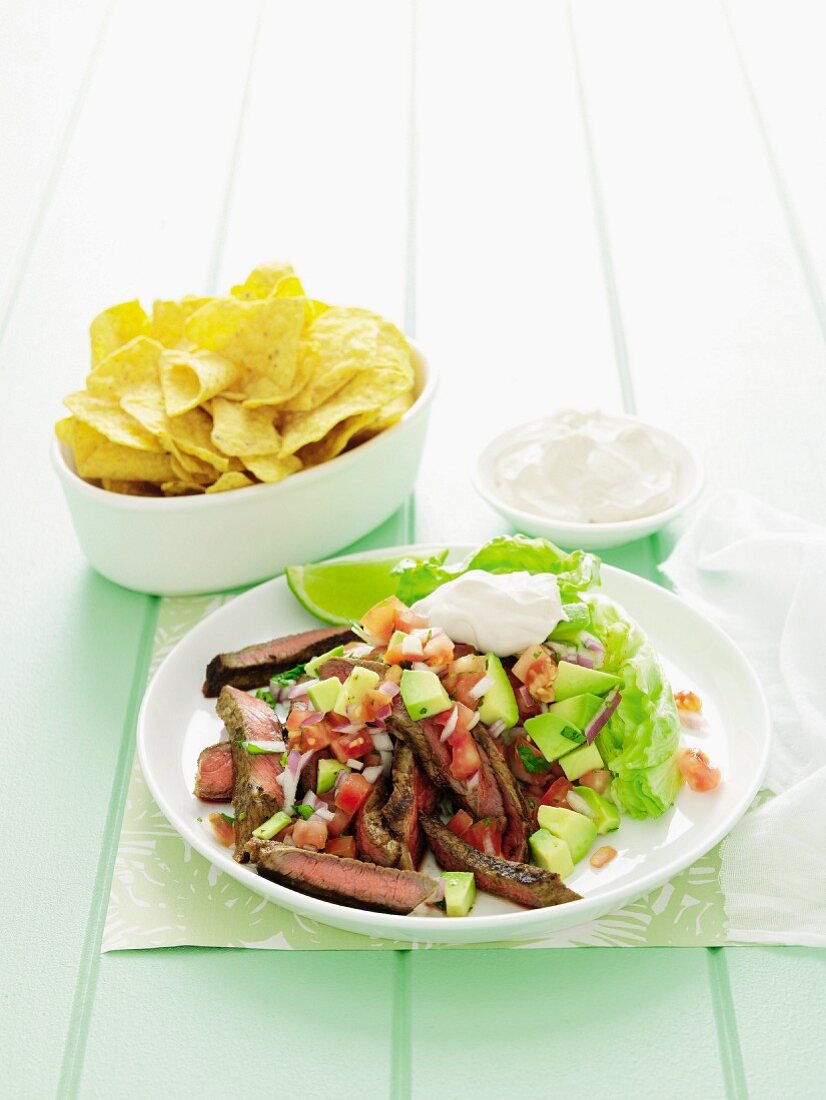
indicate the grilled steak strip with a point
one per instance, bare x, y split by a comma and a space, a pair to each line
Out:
256, 795
341, 667
515, 837
254, 666
482, 800
412, 794
215, 775
373, 840
518, 882
345, 881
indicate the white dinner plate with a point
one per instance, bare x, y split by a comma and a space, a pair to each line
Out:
176, 723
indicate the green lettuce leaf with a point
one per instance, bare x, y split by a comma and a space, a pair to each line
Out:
640, 742
576, 572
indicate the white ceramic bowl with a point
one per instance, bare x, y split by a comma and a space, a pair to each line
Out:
176, 546
589, 536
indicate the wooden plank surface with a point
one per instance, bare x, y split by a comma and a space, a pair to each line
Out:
594, 205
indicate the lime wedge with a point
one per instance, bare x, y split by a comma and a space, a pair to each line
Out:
340, 592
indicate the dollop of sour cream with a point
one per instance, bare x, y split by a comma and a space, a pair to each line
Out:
588, 468
501, 613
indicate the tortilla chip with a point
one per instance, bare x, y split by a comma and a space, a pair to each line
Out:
271, 468
190, 377
262, 281
168, 318
342, 343
96, 457
237, 430
188, 433
335, 441
368, 392
128, 370
230, 481
131, 488
116, 326
177, 488
261, 336
107, 417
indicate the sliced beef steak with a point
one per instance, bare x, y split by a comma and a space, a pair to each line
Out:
515, 836
257, 795
215, 774
373, 839
254, 666
412, 794
481, 799
518, 882
341, 667
346, 881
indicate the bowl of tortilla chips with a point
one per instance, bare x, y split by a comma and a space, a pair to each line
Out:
218, 440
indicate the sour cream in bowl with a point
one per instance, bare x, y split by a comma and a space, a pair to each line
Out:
588, 479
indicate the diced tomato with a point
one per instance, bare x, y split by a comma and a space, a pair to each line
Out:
408, 620
438, 651
310, 834
353, 791
687, 700
557, 793
298, 712
340, 822
465, 760
315, 736
460, 688
528, 706
486, 836
344, 846
697, 770
536, 668
372, 702
223, 830
464, 716
460, 822
372, 759
517, 766
350, 746
380, 620
395, 655
598, 780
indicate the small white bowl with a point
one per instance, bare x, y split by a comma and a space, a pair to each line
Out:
589, 536
178, 546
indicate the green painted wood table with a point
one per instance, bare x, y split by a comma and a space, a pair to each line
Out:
596, 203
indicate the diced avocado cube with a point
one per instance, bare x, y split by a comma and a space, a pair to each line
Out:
499, 703
460, 892
354, 687
312, 666
576, 680
324, 694
579, 618
274, 825
577, 830
551, 853
423, 694
396, 639
327, 772
578, 710
553, 736
581, 760
606, 815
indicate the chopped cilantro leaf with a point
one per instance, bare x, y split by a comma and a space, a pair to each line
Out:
288, 677
200, 820
242, 816
304, 811
229, 819
531, 761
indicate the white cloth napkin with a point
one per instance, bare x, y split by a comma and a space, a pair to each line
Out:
761, 575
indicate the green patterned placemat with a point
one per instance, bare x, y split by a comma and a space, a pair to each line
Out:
164, 894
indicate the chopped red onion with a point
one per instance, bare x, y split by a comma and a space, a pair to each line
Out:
437, 670
450, 725
439, 893
585, 660
690, 720
475, 719
473, 782
370, 639
482, 688
389, 687
609, 705
323, 813
382, 741
298, 690
412, 647
372, 773
420, 666
497, 728
386, 761
360, 650
310, 799
578, 803
350, 727
312, 717
383, 713
269, 747
357, 764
